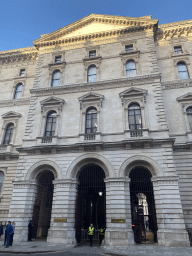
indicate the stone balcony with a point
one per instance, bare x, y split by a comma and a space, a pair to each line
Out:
47, 140
131, 134
6, 149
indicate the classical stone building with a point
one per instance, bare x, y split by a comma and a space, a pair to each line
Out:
95, 119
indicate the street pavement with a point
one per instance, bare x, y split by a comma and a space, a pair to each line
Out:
42, 247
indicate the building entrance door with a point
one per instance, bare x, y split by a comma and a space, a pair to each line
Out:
91, 201
43, 204
143, 211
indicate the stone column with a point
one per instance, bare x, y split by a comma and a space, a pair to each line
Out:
118, 212
21, 207
62, 228
170, 221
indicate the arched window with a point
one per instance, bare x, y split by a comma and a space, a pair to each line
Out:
134, 114
91, 121
55, 78
8, 134
50, 124
130, 68
92, 74
18, 91
1, 180
182, 70
189, 114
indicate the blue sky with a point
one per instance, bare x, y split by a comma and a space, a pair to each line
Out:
23, 21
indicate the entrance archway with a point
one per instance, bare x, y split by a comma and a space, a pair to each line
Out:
43, 204
143, 211
91, 201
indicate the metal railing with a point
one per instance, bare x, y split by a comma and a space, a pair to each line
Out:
90, 136
136, 133
46, 140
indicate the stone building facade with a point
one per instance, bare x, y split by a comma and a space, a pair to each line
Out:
108, 95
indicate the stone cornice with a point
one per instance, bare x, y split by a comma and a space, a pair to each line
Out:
15, 102
130, 81
175, 84
11, 57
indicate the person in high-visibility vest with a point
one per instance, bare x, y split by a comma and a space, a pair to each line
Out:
101, 234
91, 233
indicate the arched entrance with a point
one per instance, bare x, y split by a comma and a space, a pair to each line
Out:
43, 204
91, 201
143, 211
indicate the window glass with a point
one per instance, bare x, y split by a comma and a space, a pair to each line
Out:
56, 79
8, 134
57, 58
178, 49
130, 68
22, 72
92, 74
189, 114
92, 54
50, 124
1, 180
129, 48
134, 116
18, 91
182, 70
91, 121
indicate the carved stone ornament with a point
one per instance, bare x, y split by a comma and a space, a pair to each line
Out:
91, 99
52, 103
92, 61
133, 95
11, 115
125, 56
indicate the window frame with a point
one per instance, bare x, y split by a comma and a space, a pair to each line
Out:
21, 72
129, 46
1, 184
92, 120
58, 57
92, 51
14, 96
46, 125
178, 46
135, 69
5, 134
135, 117
182, 72
52, 79
88, 76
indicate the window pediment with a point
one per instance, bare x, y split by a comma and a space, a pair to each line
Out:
133, 93
91, 99
52, 103
11, 114
185, 98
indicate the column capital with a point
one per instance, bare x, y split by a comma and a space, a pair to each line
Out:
117, 181
25, 183
65, 182
165, 179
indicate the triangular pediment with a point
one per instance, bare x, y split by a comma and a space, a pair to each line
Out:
11, 114
91, 96
52, 101
131, 92
95, 23
185, 97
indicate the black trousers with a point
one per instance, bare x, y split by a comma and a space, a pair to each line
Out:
11, 239
91, 240
5, 238
101, 238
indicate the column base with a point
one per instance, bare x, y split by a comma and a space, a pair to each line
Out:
62, 236
173, 239
119, 237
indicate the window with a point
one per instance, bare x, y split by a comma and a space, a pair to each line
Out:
134, 114
189, 115
91, 121
92, 74
92, 54
50, 124
130, 68
22, 72
129, 48
182, 70
178, 49
58, 58
18, 91
8, 134
55, 79
1, 180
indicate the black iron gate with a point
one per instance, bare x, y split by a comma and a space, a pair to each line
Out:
143, 211
90, 203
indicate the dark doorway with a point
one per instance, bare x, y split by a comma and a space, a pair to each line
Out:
43, 204
91, 201
143, 211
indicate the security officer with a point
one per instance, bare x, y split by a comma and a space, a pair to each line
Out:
101, 234
91, 233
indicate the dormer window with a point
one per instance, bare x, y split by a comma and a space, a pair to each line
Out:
129, 48
178, 49
92, 54
22, 72
57, 59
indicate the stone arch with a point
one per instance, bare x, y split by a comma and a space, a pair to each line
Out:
36, 168
140, 160
89, 158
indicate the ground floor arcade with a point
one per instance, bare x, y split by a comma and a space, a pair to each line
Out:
127, 203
